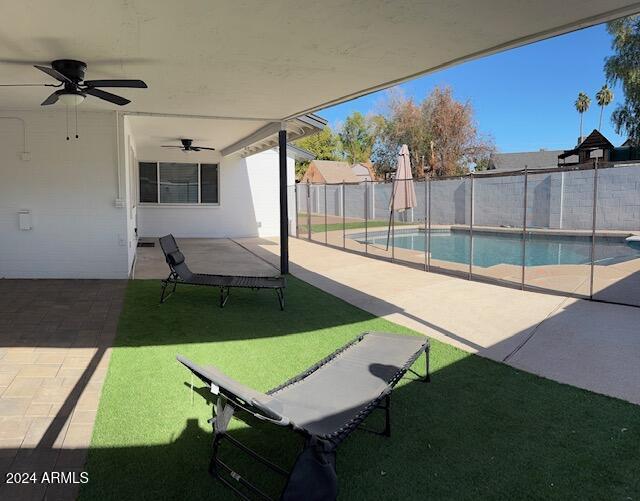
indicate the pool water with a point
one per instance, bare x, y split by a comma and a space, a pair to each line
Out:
490, 249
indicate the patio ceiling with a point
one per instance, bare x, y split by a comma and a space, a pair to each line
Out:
151, 132
268, 60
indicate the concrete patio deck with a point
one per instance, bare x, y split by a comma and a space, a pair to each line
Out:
590, 345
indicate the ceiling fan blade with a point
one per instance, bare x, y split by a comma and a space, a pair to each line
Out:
53, 73
204, 148
132, 84
107, 96
52, 99
194, 148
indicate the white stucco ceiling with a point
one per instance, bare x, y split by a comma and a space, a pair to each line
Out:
226, 136
266, 59
155, 131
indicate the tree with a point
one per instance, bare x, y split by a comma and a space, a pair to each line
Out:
582, 105
402, 122
604, 97
624, 67
439, 131
356, 138
324, 145
457, 144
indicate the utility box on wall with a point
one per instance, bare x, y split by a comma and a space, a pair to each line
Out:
24, 220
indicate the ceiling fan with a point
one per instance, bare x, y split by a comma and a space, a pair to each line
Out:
75, 88
187, 145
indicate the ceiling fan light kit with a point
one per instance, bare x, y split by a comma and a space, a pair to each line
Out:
70, 73
73, 88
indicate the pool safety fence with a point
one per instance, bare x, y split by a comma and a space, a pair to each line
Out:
570, 224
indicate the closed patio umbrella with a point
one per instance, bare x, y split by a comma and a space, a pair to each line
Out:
403, 192
403, 196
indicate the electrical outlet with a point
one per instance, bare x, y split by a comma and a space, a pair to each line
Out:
259, 224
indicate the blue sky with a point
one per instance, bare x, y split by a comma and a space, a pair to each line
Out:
524, 97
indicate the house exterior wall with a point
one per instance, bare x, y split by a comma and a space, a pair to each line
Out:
249, 199
71, 188
362, 172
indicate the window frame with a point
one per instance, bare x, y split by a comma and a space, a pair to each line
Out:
175, 204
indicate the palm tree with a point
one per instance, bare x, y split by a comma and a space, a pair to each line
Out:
582, 105
604, 98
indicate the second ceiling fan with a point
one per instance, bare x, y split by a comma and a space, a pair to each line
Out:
187, 145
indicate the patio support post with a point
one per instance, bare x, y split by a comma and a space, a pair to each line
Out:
284, 209
524, 227
295, 194
593, 227
471, 232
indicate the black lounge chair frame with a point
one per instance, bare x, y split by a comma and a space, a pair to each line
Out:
181, 274
318, 445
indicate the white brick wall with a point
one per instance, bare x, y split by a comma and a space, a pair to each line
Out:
70, 187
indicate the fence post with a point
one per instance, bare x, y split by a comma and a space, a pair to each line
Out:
524, 227
593, 227
429, 241
366, 216
308, 211
471, 231
325, 214
373, 201
344, 221
393, 224
425, 222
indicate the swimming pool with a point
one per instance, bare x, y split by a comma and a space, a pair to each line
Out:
491, 248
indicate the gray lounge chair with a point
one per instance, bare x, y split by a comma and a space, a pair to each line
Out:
181, 274
324, 405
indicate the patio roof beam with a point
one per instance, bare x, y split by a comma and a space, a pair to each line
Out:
266, 137
284, 209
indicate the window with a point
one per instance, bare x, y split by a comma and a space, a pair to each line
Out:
179, 183
209, 183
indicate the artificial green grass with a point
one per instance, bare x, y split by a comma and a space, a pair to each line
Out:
479, 430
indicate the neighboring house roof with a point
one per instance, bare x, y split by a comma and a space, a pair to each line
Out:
364, 165
593, 141
543, 159
328, 171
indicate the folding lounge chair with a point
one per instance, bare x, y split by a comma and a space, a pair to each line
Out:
324, 405
181, 274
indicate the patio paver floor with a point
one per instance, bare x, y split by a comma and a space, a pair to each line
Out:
55, 340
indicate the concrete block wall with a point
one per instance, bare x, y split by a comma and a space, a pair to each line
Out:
555, 200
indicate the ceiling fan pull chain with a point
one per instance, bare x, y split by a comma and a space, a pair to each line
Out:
77, 121
67, 116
